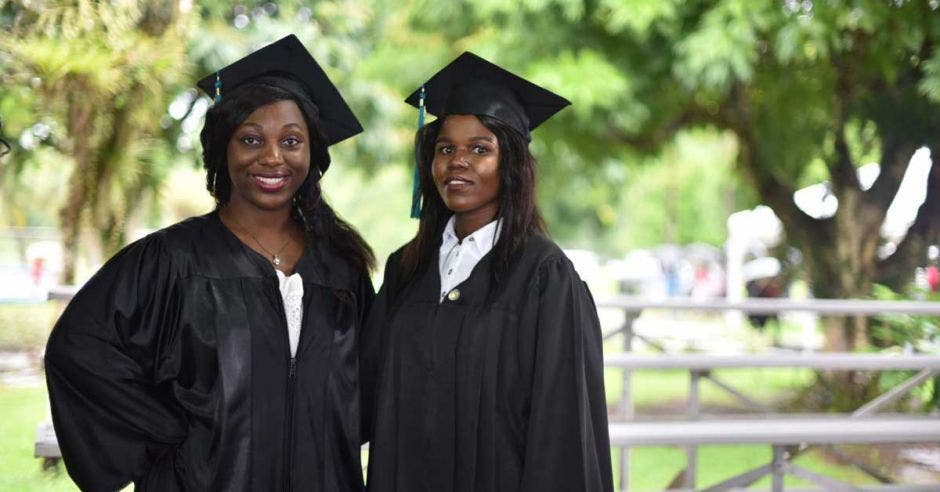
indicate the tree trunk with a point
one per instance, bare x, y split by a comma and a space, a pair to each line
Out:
80, 123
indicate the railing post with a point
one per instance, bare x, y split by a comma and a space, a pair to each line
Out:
779, 460
626, 397
626, 392
694, 410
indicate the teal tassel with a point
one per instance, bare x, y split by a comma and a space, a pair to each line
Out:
416, 179
218, 88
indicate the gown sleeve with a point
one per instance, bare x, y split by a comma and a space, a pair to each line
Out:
370, 349
114, 423
567, 443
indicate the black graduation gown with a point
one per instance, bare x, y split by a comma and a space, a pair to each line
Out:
171, 368
471, 395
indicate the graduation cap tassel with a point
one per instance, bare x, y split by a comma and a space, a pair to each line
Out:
416, 179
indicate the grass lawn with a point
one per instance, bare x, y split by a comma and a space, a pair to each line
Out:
652, 468
21, 410
654, 388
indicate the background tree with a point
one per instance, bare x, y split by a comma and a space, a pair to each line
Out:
679, 108
810, 91
101, 73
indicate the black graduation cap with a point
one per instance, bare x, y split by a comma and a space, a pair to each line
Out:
288, 56
472, 85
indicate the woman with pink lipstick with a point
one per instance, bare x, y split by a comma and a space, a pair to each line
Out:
482, 367
221, 353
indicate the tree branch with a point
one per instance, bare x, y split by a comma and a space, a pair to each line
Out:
773, 192
842, 172
653, 140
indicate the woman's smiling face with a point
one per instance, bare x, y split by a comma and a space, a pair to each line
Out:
269, 157
466, 168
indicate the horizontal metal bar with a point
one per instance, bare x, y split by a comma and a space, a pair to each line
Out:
820, 361
779, 430
63, 292
770, 306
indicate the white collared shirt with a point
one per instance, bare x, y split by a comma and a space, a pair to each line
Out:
457, 258
292, 293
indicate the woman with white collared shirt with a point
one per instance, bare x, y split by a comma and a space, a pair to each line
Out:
481, 363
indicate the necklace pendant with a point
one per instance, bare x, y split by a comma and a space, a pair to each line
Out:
276, 260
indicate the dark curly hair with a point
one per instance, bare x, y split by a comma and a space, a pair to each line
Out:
518, 212
310, 209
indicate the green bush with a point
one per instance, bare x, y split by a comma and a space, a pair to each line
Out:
25, 327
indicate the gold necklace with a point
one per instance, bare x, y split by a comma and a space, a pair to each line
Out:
275, 256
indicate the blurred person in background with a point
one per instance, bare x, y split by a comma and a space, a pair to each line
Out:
933, 276
482, 359
220, 353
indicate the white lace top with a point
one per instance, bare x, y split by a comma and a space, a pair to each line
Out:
292, 292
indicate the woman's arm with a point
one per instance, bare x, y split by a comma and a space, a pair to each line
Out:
111, 421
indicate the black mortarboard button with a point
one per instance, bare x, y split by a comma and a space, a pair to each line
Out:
289, 57
472, 85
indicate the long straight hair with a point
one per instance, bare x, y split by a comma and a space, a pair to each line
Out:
310, 210
518, 213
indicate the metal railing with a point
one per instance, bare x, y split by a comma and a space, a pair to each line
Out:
858, 426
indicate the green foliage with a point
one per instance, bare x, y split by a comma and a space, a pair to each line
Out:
923, 332
723, 49
639, 71
682, 197
765, 74
930, 86
901, 330
636, 16
99, 75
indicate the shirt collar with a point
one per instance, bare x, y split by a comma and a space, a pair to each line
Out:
449, 238
481, 240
